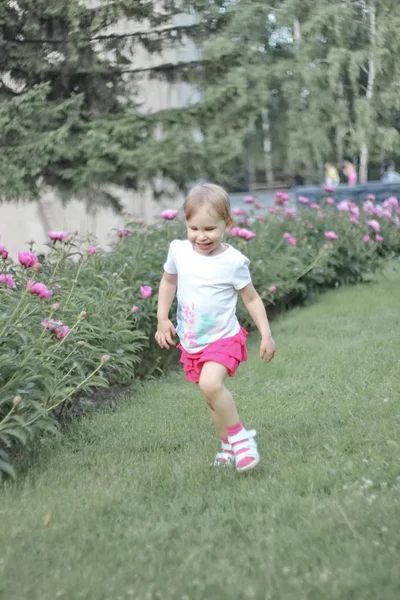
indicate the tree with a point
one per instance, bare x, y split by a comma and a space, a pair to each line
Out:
68, 116
344, 66
290, 84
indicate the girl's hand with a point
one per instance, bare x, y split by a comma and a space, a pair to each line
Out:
267, 347
165, 332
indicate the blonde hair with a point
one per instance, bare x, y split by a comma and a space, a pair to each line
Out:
208, 193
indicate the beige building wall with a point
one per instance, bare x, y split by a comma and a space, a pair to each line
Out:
22, 223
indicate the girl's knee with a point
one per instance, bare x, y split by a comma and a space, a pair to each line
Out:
210, 386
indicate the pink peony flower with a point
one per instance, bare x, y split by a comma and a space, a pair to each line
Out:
246, 234
391, 202
249, 199
287, 235
344, 205
314, 206
146, 291
379, 238
260, 217
281, 198
55, 306
369, 207
366, 238
28, 259
303, 200
7, 279
272, 210
371, 197
60, 236
40, 289
382, 212
169, 214
57, 327
374, 225
92, 250
234, 231
329, 188
123, 233
238, 211
3, 251
354, 220
331, 235
292, 241
104, 359
330, 200
355, 211
258, 205
272, 289
135, 308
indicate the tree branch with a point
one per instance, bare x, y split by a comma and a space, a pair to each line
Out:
111, 36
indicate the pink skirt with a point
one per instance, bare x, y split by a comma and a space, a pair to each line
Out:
229, 352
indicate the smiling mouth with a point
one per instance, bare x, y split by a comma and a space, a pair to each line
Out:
206, 245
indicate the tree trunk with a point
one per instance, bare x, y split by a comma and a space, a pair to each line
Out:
296, 30
251, 170
340, 129
252, 176
269, 173
364, 151
44, 221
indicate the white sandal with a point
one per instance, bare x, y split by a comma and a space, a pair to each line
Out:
244, 440
225, 458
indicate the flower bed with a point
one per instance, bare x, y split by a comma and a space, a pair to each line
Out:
81, 318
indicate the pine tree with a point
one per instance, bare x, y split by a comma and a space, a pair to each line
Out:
67, 108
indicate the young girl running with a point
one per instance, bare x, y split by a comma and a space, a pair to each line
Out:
207, 275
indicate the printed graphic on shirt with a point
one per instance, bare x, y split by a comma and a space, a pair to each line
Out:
186, 330
195, 332
206, 327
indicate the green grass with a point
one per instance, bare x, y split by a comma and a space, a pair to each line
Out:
125, 506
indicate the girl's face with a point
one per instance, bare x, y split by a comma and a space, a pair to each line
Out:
206, 231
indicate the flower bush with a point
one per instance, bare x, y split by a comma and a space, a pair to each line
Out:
82, 318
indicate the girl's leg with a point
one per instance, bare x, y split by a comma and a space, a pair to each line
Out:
225, 416
220, 402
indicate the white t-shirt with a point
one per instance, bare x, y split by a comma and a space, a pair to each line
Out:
207, 293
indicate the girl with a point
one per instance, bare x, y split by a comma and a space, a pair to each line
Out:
207, 275
350, 171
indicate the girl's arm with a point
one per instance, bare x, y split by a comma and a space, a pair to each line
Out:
256, 310
166, 294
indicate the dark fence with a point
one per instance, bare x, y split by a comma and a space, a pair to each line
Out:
355, 193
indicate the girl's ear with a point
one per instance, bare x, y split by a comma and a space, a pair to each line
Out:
229, 224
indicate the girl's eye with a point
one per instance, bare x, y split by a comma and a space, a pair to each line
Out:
210, 228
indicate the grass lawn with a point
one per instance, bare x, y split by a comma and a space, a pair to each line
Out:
126, 506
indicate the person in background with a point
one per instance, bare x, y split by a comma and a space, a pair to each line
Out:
350, 171
390, 175
331, 175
